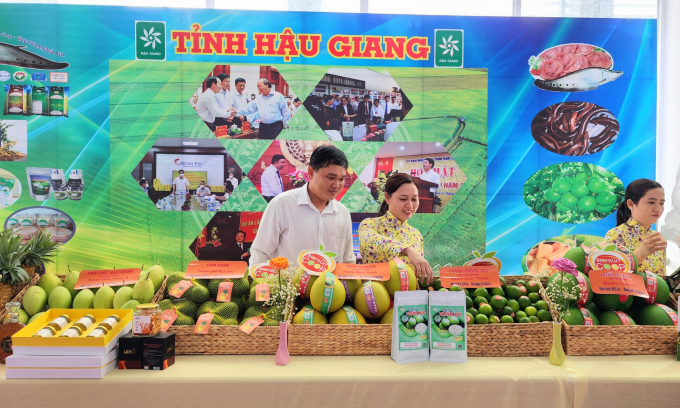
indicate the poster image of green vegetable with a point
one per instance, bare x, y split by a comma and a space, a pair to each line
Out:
573, 192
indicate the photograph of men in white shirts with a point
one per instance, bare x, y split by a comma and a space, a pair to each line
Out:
225, 100
240, 99
202, 190
377, 112
207, 107
430, 175
273, 110
393, 110
309, 216
271, 182
180, 185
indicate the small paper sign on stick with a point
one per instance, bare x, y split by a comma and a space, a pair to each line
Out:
470, 276
224, 292
203, 323
617, 283
179, 289
373, 272
262, 292
168, 317
251, 324
91, 279
216, 269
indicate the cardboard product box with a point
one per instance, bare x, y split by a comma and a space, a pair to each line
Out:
148, 353
373, 128
221, 131
18, 366
23, 342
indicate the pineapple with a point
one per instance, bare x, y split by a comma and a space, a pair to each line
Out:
38, 251
13, 275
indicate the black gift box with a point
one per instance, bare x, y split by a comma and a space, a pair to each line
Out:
148, 353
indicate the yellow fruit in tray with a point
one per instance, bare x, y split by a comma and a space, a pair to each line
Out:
317, 318
372, 306
331, 301
340, 317
394, 284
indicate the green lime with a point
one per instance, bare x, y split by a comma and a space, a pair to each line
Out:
519, 315
534, 319
479, 300
467, 292
609, 187
412, 322
596, 185
561, 186
542, 305
507, 319
455, 288
587, 203
531, 311
534, 297
520, 282
482, 292
606, 198
524, 320
468, 302
445, 323
561, 207
544, 315
581, 176
533, 286
420, 318
473, 311
454, 320
469, 318
507, 311
604, 209
498, 302
514, 292
481, 319
568, 200
443, 290
486, 309
494, 319
513, 304
524, 302
552, 196
579, 189
496, 292
503, 285
437, 284
523, 290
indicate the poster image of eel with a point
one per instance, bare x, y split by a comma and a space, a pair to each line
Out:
15, 55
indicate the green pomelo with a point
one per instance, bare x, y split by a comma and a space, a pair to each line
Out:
34, 300
612, 302
103, 299
318, 318
60, 298
319, 287
48, 282
610, 318
663, 293
382, 300
578, 256
653, 315
592, 307
570, 286
84, 299
574, 317
123, 296
394, 283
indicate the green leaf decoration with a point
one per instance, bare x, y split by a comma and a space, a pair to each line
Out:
610, 248
476, 254
331, 254
489, 255
321, 248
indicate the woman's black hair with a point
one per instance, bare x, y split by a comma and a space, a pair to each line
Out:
391, 185
634, 192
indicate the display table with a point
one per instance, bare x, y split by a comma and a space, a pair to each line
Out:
599, 382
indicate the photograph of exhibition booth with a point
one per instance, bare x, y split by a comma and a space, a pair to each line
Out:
439, 176
284, 165
188, 174
245, 102
227, 237
357, 104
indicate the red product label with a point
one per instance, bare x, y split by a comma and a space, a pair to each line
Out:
251, 324
670, 314
168, 317
262, 292
179, 289
203, 323
586, 316
624, 318
304, 281
650, 280
224, 292
583, 289
403, 274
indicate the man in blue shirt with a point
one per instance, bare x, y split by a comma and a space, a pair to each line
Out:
272, 108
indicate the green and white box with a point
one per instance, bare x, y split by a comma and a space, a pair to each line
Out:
409, 327
448, 329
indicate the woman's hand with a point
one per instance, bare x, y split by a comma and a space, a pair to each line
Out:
423, 271
650, 244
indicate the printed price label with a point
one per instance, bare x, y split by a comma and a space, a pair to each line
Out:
168, 317
224, 292
216, 269
617, 283
262, 270
109, 277
251, 324
376, 272
262, 292
203, 323
470, 276
179, 289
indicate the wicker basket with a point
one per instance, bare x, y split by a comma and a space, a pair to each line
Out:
340, 340
226, 340
19, 296
510, 340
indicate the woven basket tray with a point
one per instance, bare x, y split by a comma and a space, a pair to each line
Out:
20, 296
620, 340
340, 340
226, 340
